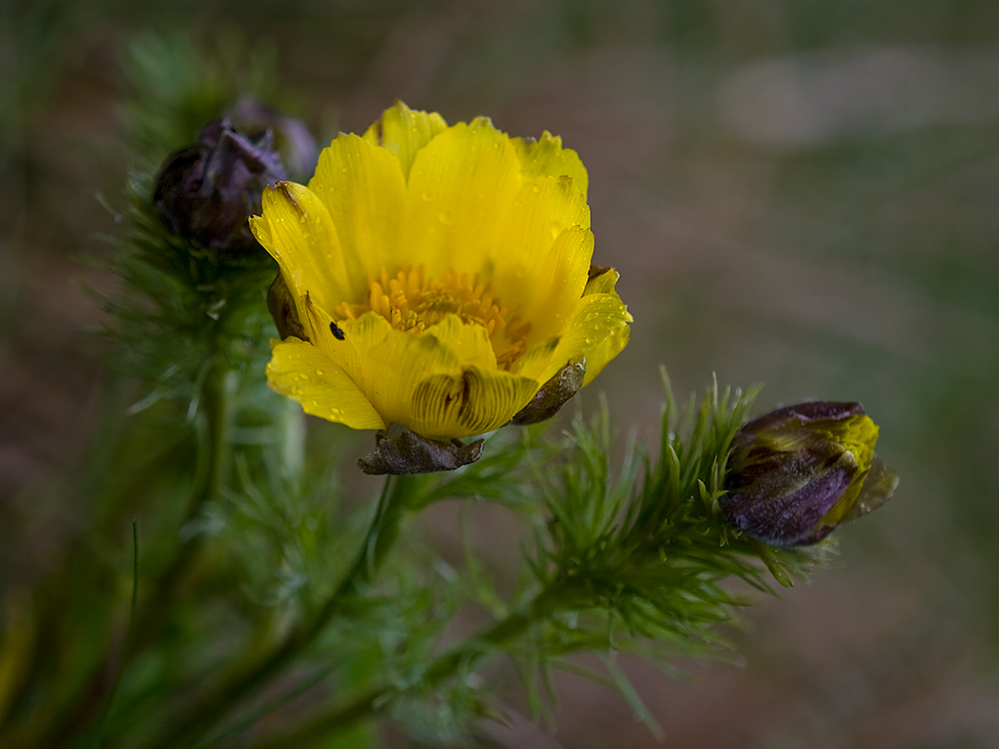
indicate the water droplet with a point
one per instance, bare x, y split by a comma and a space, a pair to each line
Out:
319, 373
536, 188
426, 197
446, 218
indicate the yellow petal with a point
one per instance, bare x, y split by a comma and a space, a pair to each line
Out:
423, 381
297, 231
601, 352
470, 343
364, 191
303, 372
385, 363
460, 188
602, 283
474, 402
546, 157
544, 285
598, 355
859, 435
402, 132
597, 331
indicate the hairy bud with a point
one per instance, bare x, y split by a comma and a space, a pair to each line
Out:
207, 191
797, 473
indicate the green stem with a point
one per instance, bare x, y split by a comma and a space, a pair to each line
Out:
217, 406
381, 535
101, 683
466, 655
126, 647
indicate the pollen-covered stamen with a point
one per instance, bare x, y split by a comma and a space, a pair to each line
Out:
412, 302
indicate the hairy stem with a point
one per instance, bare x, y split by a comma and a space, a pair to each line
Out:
144, 621
216, 405
467, 655
245, 681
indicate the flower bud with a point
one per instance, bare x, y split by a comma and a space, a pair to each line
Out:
292, 140
797, 473
207, 191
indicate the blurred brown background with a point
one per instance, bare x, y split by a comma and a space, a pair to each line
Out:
799, 193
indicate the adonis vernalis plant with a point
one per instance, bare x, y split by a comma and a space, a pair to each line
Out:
435, 284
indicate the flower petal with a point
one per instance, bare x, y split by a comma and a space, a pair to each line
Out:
441, 383
599, 354
402, 132
474, 402
296, 230
601, 350
303, 372
385, 363
544, 285
598, 331
364, 191
460, 187
546, 157
470, 343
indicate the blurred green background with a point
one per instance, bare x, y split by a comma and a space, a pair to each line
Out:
797, 193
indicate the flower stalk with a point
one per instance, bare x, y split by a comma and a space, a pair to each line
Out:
497, 638
244, 681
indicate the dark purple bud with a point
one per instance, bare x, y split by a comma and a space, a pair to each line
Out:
207, 191
292, 139
798, 472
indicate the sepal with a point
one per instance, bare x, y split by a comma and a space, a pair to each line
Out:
401, 451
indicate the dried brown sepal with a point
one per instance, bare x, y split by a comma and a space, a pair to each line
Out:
596, 271
553, 394
282, 307
401, 451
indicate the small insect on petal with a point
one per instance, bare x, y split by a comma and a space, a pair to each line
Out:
337, 333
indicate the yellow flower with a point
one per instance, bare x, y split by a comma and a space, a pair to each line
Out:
441, 276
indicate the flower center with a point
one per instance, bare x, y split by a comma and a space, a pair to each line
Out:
412, 302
